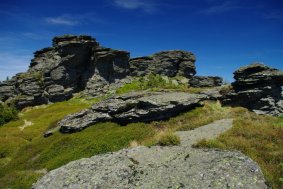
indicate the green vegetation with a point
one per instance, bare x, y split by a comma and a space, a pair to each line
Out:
151, 82
168, 138
7, 113
259, 137
25, 154
38, 75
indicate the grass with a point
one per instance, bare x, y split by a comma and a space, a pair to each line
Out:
167, 138
151, 82
26, 154
259, 137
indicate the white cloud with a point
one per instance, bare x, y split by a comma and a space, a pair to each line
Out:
62, 20
220, 8
73, 20
136, 4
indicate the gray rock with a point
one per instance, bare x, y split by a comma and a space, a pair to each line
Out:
78, 64
206, 81
133, 107
162, 167
167, 63
71, 65
258, 88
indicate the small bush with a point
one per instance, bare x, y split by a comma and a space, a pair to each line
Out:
151, 82
7, 114
168, 138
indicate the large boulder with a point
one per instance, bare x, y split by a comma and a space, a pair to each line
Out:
133, 107
258, 88
167, 63
205, 81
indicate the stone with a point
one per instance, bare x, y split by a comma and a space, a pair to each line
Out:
132, 107
79, 64
73, 64
47, 134
165, 63
205, 81
258, 88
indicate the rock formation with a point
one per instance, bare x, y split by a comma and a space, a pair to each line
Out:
258, 88
78, 64
133, 107
167, 63
206, 81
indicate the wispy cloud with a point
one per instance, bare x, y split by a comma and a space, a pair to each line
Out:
276, 15
225, 6
144, 5
62, 20
73, 20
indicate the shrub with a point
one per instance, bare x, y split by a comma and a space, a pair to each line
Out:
168, 138
150, 82
7, 114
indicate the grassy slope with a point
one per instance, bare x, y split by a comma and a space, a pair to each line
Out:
259, 137
25, 154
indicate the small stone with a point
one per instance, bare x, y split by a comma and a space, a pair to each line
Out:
47, 134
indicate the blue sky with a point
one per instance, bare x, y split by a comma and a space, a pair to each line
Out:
223, 34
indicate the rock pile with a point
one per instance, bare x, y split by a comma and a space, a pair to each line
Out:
258, 88
168, 63
206, 81
77, 63
133, 107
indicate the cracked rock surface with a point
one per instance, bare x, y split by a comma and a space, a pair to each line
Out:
162, 167
132, 107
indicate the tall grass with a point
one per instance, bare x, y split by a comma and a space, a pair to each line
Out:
259, 137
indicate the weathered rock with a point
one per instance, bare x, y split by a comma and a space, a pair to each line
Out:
78, 64
7, 90
134, 107
72, 64
162, 167
258, 88
167, 63
206, 81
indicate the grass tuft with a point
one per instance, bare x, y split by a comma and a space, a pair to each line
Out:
259, 137
168, 138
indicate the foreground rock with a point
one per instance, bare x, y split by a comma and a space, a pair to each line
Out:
133, 107
162, 167
258, 88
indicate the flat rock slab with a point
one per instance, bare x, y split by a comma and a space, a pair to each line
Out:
132, 107
162, 167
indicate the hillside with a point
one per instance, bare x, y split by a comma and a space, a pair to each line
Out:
79, 99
